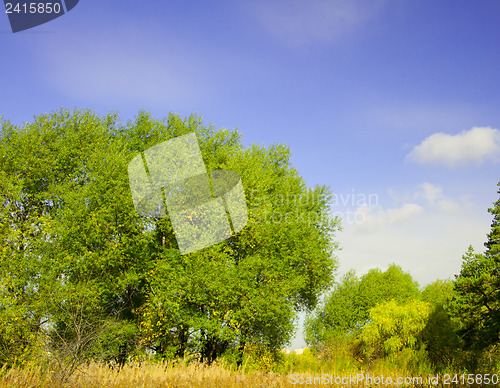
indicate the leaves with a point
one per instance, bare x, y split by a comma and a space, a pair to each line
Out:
68, 218
393, 327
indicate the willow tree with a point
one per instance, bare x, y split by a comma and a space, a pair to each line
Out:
66, 221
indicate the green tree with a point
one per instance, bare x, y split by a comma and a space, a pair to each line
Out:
476, 301
476, 298
247, 290
377, 286
67, 216
438, 293
394, 327
346, 309
441, 341
339, 315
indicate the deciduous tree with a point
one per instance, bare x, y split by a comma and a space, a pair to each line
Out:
67, 216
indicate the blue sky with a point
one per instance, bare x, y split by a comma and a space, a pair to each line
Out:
396, 101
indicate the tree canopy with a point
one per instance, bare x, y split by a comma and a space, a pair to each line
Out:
68, 224
347, 308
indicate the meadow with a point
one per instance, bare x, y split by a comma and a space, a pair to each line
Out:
294, 370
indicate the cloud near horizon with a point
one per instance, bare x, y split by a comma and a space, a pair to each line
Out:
425, 231
472, 147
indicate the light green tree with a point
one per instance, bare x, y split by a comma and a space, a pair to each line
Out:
394, 327
377, 286
346, 309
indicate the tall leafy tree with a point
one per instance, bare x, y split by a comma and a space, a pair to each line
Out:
68, 222
66, 218
248, 289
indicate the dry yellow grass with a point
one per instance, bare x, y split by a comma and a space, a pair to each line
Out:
147, 375
162, 375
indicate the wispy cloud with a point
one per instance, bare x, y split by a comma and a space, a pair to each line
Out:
99, 68
472, 147
299, 22
371, 218
430, 197
436, 200
425, 231
394, 114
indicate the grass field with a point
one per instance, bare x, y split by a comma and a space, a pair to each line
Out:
194, 375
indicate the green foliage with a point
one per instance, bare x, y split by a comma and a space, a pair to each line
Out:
339, 315
364, 322
439, 336
477, 291
347, 307
377, 286
74, 250
493, 243
307, 361
394, 326
18, 341
249, 288
476, 300
438, 293
83, 276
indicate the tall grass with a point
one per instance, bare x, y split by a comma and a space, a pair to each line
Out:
171, 374
146, 375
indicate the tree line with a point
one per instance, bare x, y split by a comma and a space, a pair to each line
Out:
385, 318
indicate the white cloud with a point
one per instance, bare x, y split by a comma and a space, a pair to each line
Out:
425, 232
299, 22
433, 195
370, 218
472, 147
429, 192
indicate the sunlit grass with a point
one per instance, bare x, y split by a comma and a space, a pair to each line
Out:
173, 375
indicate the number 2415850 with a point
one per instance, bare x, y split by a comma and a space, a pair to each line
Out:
480, 379
33, 8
